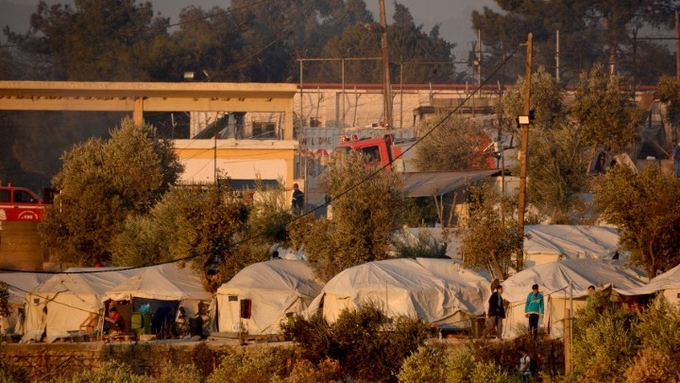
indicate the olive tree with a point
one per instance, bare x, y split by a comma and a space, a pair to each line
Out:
644, 209
100, 184
367, 209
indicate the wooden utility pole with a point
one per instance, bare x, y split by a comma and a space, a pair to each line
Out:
387, 88
524, 125
677, 44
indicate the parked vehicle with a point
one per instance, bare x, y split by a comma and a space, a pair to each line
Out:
20, 204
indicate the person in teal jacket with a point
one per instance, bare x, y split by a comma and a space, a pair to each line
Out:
533, 309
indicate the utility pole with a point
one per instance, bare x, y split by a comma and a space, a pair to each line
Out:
677, 44
524, 122
387, 89
557, 56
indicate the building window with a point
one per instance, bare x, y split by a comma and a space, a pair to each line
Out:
263, 130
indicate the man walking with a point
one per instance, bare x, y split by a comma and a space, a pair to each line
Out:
496, 313
298, 201
533, 309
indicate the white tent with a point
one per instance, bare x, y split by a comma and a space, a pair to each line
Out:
163, 283
265, 292
549, 243
66, 301
435, 290
553, 280
19, 285
668, 283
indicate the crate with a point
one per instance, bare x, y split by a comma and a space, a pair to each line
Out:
141, 323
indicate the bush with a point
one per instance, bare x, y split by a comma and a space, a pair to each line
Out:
459, 366
604, 343
109, 372
659, 329
304, 371
12, 373
490, 372
652, 365
426, 365
260, 366
365, 344
182, 373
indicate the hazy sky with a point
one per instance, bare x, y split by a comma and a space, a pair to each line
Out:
452, 15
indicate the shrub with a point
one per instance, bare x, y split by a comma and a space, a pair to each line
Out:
304, 371
490, 372
659, 329
459, 366
260, 366
652, 365
428, 364
180, 374
204, 359
12, 373
604, 344
363, 341
109, 372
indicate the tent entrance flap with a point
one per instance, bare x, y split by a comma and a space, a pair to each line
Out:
163, 313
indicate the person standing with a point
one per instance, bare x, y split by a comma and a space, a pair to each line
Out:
676, 157
298, 201
533, 309
524, 365
496, 313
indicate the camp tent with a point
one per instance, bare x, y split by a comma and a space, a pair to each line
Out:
260, 296
164, 288
67, 301
668, 283
553, 280
436, 290
549, 243
19, 283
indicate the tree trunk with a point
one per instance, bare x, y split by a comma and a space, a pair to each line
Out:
592, 158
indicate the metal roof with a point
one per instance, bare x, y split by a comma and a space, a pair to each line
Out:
428, 184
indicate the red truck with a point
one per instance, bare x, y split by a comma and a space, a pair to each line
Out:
20, 204
379, 151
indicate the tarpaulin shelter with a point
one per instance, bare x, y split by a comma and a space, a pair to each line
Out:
667, 283
261, 295
435, 290
549, 243
163, 288
67, 301
554, 279
19, 284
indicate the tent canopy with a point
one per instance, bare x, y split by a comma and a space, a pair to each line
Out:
22, 283
271, 289
276, 275
571, 241
554, 278
433, 289
163, 282
666, 281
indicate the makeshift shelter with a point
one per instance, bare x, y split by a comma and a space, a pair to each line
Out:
261, 295
667, 283
549, 243
554, 281
69, 302
162, 289
19, 284
435, 290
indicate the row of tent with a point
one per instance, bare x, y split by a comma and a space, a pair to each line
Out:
260, 297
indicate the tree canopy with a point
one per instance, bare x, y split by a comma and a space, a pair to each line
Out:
102, 182
367, 209
642, 206
601, 31
453, 144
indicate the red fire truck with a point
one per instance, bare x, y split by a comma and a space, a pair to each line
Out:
20, 204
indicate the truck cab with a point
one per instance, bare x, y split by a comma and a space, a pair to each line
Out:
379, 151
20, 204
